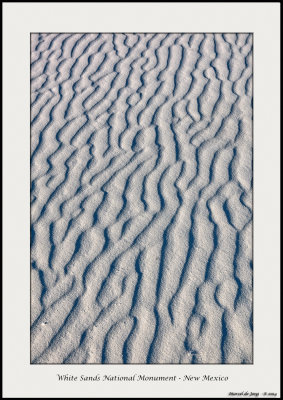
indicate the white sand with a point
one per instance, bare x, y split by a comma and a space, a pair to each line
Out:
141, 174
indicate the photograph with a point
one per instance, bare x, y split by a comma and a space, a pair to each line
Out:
141, 198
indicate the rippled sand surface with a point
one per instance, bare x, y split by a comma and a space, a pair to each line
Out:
141, 198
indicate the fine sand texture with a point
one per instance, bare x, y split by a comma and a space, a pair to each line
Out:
141, 198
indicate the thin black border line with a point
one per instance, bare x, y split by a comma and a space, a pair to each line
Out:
253, 273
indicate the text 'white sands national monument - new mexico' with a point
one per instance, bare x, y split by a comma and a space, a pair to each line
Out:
141, 198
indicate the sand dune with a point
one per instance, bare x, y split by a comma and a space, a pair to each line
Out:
141, 198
